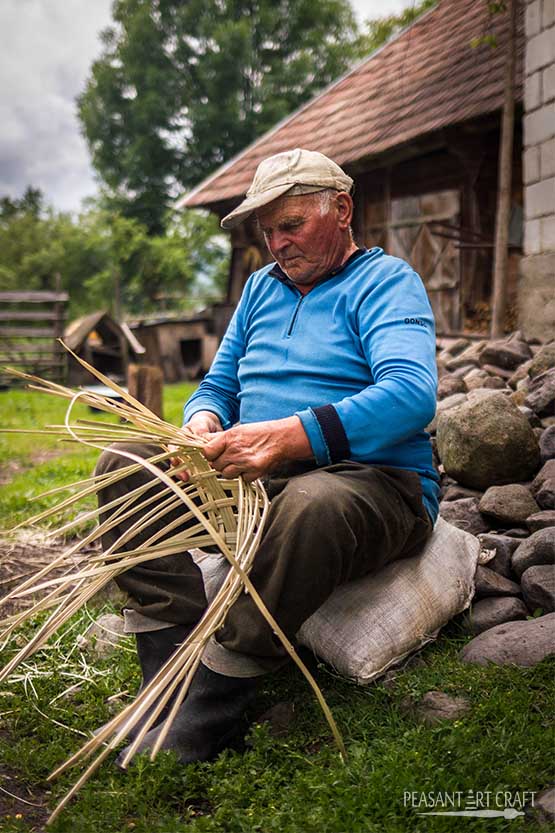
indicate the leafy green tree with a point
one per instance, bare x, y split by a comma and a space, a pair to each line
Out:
193, 253
127, 112
253, 63
32, 201
29, 242
182, 85
101, 249
380, 29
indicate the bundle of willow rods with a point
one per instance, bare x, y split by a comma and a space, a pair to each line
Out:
216, 511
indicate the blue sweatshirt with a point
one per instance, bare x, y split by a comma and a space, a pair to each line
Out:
354, 359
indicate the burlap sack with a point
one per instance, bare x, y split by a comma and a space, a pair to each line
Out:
372, 623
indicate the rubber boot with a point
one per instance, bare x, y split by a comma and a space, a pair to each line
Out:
211, 718
154, 648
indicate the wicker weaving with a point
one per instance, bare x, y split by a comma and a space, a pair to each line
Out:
229, 514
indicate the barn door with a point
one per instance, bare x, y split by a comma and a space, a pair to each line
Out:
435, 258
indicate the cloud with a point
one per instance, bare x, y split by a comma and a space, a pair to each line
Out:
46, 50
370, 9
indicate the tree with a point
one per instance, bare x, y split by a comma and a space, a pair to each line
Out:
380, 29
127, 111
183, 85
102, 250
31, 201
29, 235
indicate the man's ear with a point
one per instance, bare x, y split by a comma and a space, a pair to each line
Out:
344, 204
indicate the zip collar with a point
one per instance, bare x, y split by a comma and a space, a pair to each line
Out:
277, 272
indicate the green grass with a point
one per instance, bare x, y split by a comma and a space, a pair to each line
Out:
292, 784
39, 462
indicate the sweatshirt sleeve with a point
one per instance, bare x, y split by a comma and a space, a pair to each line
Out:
219, 389
396, 330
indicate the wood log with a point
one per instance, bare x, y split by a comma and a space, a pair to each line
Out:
505, 172
33, 297
43, 315
145, 383
27, 332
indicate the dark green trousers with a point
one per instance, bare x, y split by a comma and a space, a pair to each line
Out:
325, 526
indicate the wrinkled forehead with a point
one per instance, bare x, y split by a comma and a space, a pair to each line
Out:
287, 207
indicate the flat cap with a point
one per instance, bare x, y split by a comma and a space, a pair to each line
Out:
297, 171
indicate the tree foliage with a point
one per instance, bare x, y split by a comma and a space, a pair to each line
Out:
100, 247
380, 29
183, 85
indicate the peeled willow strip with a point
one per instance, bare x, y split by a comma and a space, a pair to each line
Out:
236, 533
92, 536
94, 488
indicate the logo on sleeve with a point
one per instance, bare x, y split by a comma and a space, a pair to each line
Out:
415, 321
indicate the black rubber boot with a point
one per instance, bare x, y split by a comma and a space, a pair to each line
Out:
154, 648
211, 718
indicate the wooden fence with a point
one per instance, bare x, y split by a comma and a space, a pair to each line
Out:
30, 324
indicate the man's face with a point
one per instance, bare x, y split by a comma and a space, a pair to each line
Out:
306, 243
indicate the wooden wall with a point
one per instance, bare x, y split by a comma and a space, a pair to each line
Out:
437, 211
182, 349
434, 207
30, 324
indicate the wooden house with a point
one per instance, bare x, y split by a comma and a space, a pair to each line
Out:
102, 342
183, 348
417, 126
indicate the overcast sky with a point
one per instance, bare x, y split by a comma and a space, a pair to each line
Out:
46, 50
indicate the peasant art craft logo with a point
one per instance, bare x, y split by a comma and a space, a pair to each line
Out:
472, 803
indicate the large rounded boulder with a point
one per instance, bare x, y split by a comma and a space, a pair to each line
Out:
487, 442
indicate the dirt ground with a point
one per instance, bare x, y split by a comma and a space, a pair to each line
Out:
12, 468
21, 556
19, 800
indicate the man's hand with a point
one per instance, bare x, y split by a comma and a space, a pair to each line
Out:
204, 422
201, 423
256, 449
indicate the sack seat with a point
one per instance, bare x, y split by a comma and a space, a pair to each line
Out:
370, 624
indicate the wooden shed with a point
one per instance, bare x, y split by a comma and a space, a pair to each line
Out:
183, 348
417, 126
102, 342
31, 324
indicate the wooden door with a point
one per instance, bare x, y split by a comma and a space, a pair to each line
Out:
436, 258
410, 227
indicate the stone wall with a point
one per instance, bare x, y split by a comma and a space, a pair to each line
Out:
537, 278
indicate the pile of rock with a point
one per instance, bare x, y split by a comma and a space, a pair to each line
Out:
494, 446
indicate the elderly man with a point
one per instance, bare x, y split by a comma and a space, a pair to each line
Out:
322, 385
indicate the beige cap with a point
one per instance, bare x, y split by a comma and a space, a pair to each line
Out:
305, 171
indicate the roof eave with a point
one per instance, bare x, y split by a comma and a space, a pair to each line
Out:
356, 167
183, 202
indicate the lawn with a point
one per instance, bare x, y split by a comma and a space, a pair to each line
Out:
34, 463
291, 783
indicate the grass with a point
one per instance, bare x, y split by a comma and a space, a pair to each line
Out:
291, 784
39, 462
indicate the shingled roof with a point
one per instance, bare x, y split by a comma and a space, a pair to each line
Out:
427, 78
